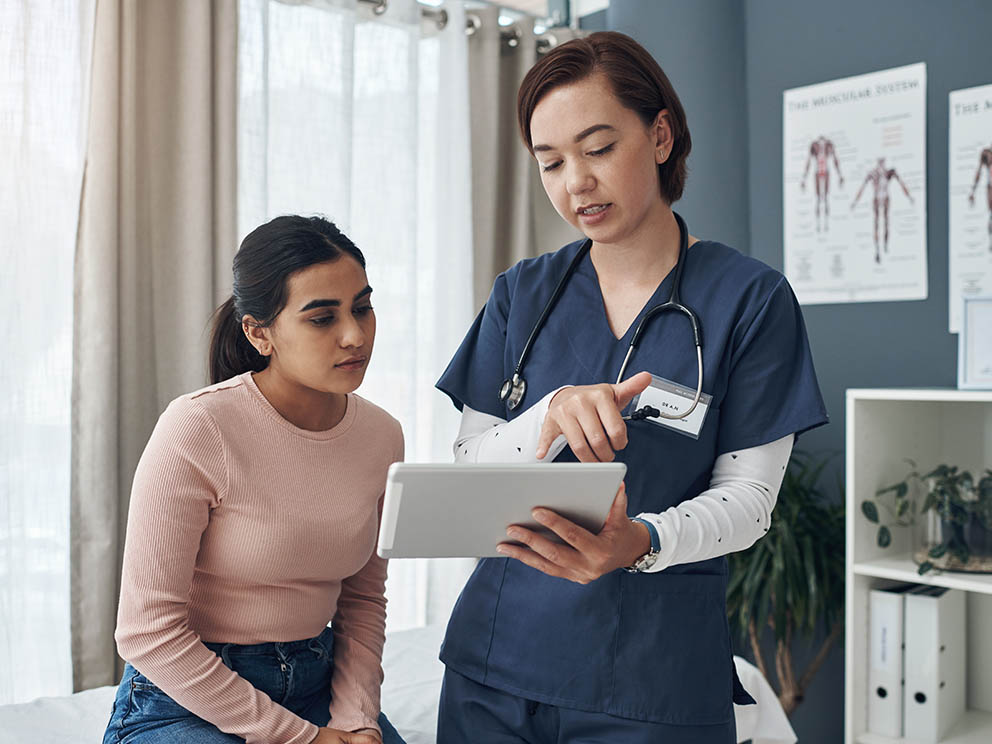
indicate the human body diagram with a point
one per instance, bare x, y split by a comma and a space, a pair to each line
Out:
879, 177
821, 150
984, 163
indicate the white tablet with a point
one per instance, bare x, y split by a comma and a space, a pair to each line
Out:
462, 510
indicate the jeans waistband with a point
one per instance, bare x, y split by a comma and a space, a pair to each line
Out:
325, 640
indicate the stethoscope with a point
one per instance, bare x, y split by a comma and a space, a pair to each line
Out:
513, 389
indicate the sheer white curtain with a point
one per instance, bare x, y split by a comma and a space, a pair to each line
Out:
365, 119
45, 57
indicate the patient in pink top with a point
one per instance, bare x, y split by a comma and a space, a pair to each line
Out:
252, 601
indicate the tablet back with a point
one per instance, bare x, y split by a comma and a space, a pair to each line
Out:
463, 510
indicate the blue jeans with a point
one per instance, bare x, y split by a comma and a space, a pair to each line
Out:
295, 674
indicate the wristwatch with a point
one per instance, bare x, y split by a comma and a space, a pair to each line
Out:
651, 557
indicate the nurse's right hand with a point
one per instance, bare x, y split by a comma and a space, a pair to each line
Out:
589, 417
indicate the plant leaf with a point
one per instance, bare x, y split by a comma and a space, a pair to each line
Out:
869, 509
937, 551
884, 537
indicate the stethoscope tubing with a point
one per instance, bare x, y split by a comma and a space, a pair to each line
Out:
513, 390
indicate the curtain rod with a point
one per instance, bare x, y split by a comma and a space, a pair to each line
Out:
511, 35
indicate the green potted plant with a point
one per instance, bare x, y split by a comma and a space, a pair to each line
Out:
959, 537
792, 580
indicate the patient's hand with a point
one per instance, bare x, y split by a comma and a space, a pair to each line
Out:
334, 736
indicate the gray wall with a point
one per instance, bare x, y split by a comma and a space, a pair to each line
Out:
879, 344
731, 60
700, 45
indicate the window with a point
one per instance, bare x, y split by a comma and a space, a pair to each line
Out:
45, 51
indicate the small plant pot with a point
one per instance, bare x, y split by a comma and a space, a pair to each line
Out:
974, 535
979, 540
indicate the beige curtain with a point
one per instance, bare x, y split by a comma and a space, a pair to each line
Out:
156, 237
512, 217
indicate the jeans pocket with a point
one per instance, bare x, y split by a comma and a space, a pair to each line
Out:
141, 682
147, 708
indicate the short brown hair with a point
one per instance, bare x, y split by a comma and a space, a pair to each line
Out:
637, 81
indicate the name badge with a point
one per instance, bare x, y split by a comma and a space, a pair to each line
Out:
671, 398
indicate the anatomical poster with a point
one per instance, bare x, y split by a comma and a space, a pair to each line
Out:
969, 179
854, 172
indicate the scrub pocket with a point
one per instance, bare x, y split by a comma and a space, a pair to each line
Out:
688, 677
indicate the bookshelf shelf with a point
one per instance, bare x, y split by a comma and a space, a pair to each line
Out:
928, 426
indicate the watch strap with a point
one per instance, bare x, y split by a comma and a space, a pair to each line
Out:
648, 559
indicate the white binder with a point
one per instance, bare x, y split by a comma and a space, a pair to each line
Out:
885, 664
935, 671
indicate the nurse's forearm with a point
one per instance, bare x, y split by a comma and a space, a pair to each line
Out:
486, 438
732, 514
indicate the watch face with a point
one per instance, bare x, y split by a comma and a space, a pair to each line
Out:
646, 561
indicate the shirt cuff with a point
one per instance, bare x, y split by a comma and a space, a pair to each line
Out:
652, 532
355, 724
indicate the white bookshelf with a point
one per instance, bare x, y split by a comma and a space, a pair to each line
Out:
884, 427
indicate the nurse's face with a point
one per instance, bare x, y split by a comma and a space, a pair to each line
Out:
322, 339
598, 160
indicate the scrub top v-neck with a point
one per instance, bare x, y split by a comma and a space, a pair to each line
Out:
653, 647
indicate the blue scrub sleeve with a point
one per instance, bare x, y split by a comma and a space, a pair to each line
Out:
772, 389
476, 371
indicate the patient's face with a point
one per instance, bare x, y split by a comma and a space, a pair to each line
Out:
323, 338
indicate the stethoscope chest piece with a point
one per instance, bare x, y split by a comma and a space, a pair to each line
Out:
512, 391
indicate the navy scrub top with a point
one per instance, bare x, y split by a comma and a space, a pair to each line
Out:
654, 647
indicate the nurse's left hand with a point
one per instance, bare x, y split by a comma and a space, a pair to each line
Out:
585, 556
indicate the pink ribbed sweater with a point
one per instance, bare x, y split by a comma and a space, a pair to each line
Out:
244, 528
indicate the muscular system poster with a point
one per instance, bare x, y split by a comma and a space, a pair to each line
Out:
969, 197
854, 170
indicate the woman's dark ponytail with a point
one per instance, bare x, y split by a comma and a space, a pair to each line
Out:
230, 351
268, 255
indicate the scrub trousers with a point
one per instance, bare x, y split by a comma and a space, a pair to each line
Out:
471, 712
296, 674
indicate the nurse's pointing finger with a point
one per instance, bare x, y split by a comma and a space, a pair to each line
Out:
625, 391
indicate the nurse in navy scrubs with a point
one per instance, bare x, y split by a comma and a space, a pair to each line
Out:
620, 636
